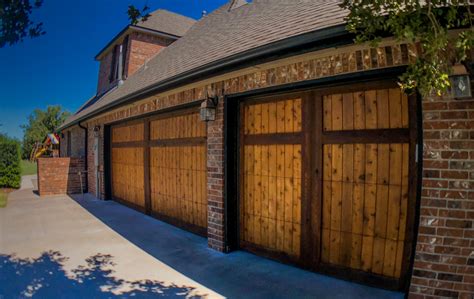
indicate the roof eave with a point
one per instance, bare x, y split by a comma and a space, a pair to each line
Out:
288, 45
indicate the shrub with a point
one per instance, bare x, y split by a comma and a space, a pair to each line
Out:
9, 164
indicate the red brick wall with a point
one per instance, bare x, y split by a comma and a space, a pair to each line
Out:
444, 262
77, 142
215, 180
104, 82
60, 176
141, 48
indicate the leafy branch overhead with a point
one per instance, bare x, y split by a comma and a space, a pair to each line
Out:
443, 29
15, 21
136, 15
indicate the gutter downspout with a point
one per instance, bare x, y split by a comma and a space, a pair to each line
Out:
86, 147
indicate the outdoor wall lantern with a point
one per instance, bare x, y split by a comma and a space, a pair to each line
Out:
208, 109
96, 131
460, 82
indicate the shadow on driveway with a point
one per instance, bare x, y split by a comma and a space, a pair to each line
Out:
234, 275
44, 277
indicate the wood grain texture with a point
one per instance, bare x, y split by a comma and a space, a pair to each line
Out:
272, 188
365, 185
371, 109
178, 183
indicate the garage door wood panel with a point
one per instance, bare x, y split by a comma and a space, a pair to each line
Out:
127, 163
365, 185
128, 133
158, 166
178, 183
178, 169
181, 126
271, 195
331, 186
372, 109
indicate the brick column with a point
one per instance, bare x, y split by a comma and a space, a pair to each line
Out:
90, 161
215, 180
444, 260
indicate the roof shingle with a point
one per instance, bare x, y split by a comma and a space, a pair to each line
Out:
224, 33
168, 22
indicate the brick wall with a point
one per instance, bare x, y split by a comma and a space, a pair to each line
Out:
60, 176
215, 180
104, 82
77, 143
444, 262
142, 47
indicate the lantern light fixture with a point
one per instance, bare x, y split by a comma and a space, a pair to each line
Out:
460, 82
96, 131
208, 109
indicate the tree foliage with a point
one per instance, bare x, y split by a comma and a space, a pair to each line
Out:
9, 163
15, 21
40, 123
430, 23
136, 15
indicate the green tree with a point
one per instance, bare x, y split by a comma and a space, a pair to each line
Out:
443, 28
40, 123
16, 23
136, 15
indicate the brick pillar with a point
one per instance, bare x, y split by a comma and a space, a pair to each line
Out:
215, 180
444, 260
91, 162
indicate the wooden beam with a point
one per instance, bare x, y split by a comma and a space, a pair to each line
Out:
366, 136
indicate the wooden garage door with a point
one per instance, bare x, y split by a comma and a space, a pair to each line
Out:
178, 170
331, 186
271, 182
366, 181
127, 164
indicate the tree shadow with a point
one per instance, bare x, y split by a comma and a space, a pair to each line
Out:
44, 277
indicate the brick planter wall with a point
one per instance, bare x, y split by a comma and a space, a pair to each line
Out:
444, 262
60, 176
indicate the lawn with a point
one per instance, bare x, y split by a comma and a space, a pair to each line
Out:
27, 167
3, 199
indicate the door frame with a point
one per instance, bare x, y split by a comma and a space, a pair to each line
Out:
233, 141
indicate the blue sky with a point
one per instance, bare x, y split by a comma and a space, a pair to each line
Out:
59, 67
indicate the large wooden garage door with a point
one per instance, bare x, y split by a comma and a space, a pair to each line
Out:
366, 182
127, 164
178, 170
271, 192
331, 186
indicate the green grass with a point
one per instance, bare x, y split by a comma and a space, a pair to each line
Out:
27, 167
3, 199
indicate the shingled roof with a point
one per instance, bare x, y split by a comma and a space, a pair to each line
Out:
222, 34
167, 22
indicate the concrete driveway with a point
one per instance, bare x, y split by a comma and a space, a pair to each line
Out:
60, 247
